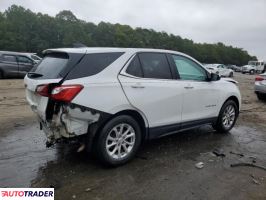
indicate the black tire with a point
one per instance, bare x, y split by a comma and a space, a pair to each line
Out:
251, 71
261, 96
231, 74
101, 149
219, 126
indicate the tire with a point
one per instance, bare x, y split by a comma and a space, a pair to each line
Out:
231, 74
261, 97
225, 110
251, 71
107, 136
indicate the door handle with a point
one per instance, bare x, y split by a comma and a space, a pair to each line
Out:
137, 86
188, 87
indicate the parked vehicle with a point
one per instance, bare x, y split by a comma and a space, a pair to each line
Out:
248, 69
115, 98
260, 86
259, 66
238, 68
14, 64
220, 69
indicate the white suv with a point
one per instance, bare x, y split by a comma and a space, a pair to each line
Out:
113, 99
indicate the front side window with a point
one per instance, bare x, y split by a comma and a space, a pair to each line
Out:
188, 69
155, 65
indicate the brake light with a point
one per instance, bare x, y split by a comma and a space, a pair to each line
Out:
65, 92
259, 78
43, 90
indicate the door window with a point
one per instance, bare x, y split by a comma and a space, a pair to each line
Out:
134, 67
188, 69
9, 58
24, 60
155, 65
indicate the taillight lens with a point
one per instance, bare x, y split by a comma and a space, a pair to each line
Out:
259, 78
43, 90
65, 92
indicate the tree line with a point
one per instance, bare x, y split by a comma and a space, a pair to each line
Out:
23, 30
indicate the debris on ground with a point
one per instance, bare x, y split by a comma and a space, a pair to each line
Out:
199, 165
248, 165
254, 179
238, 154
88, 190
218, 152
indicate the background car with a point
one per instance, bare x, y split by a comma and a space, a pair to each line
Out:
220, 69
260, 86
15, 64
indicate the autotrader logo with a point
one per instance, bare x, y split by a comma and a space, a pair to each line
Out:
27, 193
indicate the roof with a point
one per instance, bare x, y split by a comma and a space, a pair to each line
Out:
16, 53
105, 49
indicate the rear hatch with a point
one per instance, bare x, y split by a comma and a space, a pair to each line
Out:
50, 70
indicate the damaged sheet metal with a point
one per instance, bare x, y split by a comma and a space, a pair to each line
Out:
69, 121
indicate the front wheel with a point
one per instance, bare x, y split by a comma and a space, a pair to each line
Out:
227, 117
118, 141
252, 72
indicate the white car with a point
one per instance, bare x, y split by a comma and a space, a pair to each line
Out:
220, 69
112, 99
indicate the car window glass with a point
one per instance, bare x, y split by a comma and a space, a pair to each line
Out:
9, 58
92, 64
23, 59
134, 67
188, 69
155, 65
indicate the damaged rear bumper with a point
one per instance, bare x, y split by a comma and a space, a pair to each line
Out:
70, 121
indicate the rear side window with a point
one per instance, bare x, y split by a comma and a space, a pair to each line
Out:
155, 65
51, 65
92, 64
9, 58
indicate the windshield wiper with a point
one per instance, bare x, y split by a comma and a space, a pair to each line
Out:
34, 75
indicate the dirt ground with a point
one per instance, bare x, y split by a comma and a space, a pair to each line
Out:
163, 169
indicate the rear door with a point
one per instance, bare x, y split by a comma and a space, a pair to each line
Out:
25, 65
150, 87
10, 65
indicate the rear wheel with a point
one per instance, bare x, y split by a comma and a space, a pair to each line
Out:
252, 71
227, 117
118, 141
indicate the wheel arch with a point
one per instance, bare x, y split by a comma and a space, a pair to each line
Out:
235, 99
94, 129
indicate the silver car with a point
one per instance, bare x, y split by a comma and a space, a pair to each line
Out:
260, 86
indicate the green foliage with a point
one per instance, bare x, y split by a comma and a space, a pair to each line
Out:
23, 30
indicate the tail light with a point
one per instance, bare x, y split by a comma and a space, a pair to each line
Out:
43, 90
65, 92
259, 78
60, 93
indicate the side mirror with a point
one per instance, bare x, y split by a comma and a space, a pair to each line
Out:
213, 77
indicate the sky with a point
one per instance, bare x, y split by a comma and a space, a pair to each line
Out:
240, 23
